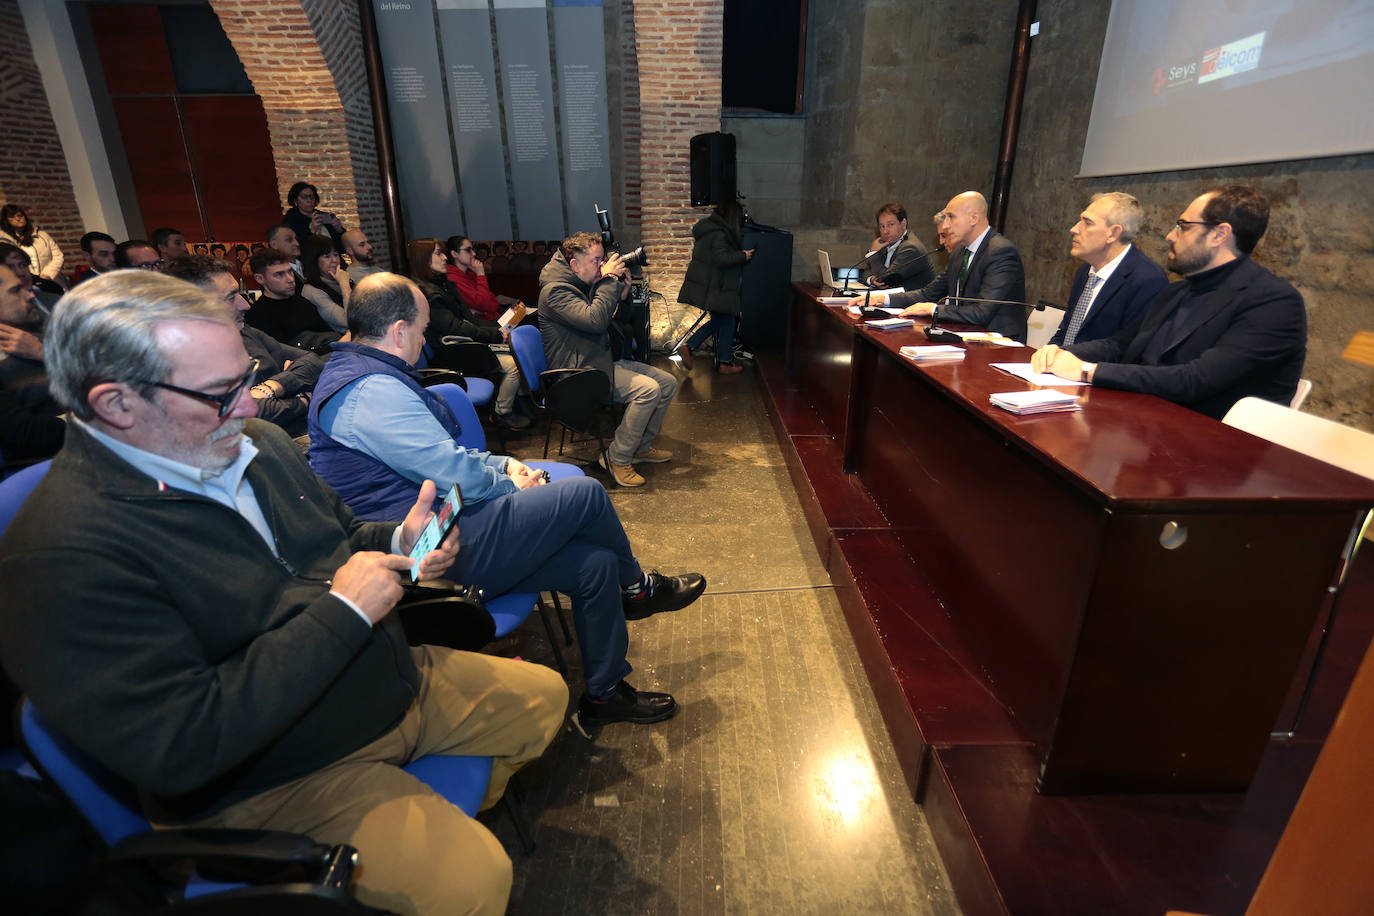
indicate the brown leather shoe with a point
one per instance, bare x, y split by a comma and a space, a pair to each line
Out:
729, 369
653, 456
684, 353
623, 474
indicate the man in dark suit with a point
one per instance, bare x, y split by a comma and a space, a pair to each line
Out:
982, 265
1230, 329
897, 257
1116, 282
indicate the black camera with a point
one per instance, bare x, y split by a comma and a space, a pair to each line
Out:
637, 258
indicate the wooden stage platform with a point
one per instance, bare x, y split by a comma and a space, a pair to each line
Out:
974, 763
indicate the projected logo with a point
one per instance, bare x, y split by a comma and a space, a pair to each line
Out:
1231, 58
1173, 77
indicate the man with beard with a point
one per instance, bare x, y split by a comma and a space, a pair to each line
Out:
30, 420
286, 374
361, 261
1230, 329
202, 615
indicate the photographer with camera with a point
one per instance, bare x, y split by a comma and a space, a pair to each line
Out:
579, 291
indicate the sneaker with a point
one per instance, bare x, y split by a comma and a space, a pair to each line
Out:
653, 456
684, 353
627, 705
729, 368
623, 474
511, 420
663, 593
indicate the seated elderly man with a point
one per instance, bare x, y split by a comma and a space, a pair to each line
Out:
195, 609
286, 374
376, 435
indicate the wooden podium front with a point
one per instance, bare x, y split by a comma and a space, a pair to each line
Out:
1136, 581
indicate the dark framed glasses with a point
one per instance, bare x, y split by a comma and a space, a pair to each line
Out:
224, 402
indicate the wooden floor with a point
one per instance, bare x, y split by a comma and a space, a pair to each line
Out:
776, 788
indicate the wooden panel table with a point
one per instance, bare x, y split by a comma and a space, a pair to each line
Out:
1138, 581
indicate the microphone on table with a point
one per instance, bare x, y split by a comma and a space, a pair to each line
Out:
935, 332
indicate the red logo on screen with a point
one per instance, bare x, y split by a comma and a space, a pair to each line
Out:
1209, 61
1158, 79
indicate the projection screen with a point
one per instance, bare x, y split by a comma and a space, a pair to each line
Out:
1224, 82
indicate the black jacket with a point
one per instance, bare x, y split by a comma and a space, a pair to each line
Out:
713, 275
1251, 340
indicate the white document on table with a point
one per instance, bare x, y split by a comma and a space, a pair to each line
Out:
1023, 371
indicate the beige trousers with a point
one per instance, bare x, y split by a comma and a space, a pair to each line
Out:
418, 853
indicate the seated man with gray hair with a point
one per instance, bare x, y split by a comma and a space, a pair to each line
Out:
192, 607
1117, 281
376, 435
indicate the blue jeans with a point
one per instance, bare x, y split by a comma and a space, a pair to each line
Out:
564, 536
722, 324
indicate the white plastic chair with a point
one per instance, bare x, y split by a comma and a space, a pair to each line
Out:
1326, 440
1304, 389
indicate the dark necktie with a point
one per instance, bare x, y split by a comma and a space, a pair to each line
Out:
963, 274
1080, 309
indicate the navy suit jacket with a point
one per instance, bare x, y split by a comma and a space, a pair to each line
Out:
1120, 303
1251, 342
995, 272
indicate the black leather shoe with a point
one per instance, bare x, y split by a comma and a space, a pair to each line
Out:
628, 705
664, 593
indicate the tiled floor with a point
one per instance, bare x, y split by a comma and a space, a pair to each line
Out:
775, 789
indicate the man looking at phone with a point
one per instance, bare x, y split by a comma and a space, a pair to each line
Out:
190, 604
376, 434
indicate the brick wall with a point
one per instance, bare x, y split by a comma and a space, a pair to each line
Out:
33, 169
679, 44
315, 95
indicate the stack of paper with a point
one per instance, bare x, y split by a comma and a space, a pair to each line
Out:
890, 324
932, 352
1026, 402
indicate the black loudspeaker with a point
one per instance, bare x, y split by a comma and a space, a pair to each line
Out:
713, 169
766, 287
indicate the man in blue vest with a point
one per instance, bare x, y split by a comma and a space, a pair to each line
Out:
376, 435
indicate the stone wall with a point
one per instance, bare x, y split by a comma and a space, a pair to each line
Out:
904, 103
1321, 229
33, 168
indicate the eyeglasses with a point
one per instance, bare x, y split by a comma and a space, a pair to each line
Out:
152, 265
1182, 224
225, 402
465, 248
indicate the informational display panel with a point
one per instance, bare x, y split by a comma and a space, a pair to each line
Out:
419, 128
580, 52
465, 34
522, 38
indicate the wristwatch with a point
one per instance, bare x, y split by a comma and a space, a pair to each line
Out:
1085, 372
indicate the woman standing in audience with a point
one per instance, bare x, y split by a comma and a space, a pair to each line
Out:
17, 229
326, 281
469, 275
305, 217
712, 282
450, 316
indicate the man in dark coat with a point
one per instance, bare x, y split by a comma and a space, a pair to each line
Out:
1230, 329
1116, 282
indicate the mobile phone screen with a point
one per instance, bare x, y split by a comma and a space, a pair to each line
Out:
436, 529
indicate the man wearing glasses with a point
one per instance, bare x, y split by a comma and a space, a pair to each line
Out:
205, 617
579, 290
1230, 329
138, 253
